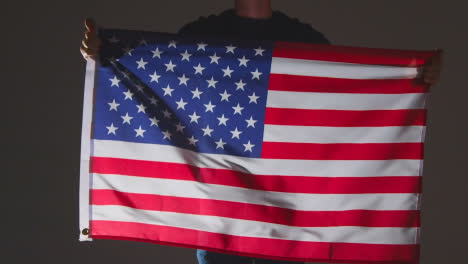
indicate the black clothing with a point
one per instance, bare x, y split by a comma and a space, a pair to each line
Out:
229, 25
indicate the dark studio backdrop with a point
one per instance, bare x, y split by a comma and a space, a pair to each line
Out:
42, 94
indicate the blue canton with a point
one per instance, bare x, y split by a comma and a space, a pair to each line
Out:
205, 95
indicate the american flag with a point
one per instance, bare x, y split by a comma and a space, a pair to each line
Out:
280, 150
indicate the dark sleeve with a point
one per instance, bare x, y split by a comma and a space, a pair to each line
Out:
201, 26
306, 33
317, 37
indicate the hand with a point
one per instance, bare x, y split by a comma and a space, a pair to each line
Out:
431, 70
91, 43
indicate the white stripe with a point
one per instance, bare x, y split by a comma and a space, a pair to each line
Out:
86, 149
294, 201
344, 101
248, 228
317, 168
319, 134
340, 69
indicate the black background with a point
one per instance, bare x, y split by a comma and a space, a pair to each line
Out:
42, 93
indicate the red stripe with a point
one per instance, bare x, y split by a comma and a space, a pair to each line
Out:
345, 118
342, 151
255, 212
296, 83
277, 183
257, 247
362, 55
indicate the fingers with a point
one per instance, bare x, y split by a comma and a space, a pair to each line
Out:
91, 43
90, 24
87, 53
431, 72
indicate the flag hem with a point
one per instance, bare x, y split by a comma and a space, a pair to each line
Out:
85, 177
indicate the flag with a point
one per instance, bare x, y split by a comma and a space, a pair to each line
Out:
279, 150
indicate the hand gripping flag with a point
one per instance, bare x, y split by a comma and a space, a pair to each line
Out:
279, 150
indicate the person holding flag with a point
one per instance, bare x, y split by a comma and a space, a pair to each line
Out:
251, 19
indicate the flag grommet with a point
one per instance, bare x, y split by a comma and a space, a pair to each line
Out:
85, 231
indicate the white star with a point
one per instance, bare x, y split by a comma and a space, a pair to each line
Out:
256, 74
141, 64
170, 66
128, 95
168, 90
196, 93
181, 104
126, 74
154, 121
141, 108
113, 60
155, 77
214, 58
201, 45
253, 98
113, 105
172, 43
251, 122
225, 96
243, 61
185, 56
167, 114
115, 81
230, 48
128, 51
235, 133
238, 109
199, 69
248, 146
139, 87
240, 85
209, 107
222, 120
111, 129
194, 117
139, 131
143, 42
183, 80
192, 140
227, 71
126, 118
157, 53
259, 51
167, 134
180, 127
212, 82
220, 144
113, 39
153, 100
207, 131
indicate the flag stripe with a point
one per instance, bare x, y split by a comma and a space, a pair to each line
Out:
342, 151
322, 134
332, 69
344, 118
344, 101
315, 168
256, 212
347, 54
293, 83
276, 183
295, 201
257, 247
231, 226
